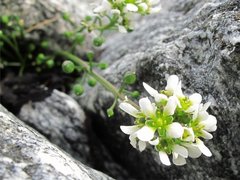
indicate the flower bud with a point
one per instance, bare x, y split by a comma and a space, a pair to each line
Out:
92, 82
98, 41
78, 89
68, 67
129, 78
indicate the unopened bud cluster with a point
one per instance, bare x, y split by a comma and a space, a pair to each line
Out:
174, 124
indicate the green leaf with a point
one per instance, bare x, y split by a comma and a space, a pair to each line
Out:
129, 78
68, 67
135, 94
103, 66
78, 89
5, 19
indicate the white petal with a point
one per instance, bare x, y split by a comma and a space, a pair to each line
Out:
131, 7
160, 97
171, 105
195, 98
203, 115
210, 122
129, 129
155, 10
204, 149
141, 145
180, 150
193, 150
128, 108
154, 2
154, 142
147, 107
145, 133
178, 90
115, 11
172, 83
206, 135
133, 140
164, 158
179, 161
175, 130
206, 106
149, 89
212, 128
99, 9
190, 133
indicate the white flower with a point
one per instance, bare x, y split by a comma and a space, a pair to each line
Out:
171, 105
143, 6
154, 93
105, 6
146, 107
122, 29
145, 133
179, 155
193, 150
131, 130
174, 86
188, 134
154, 2
195, 100
164, 158
115, 11
204, 149
209, 125
175, 130
131, 7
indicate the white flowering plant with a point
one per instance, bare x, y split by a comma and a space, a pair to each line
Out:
174, 123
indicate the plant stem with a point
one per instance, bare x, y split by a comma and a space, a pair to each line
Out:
109, 86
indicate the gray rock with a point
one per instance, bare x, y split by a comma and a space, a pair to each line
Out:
25, 154
200, 42
62, 121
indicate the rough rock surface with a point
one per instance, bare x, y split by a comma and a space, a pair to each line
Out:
200, 42
25, 154
61, 120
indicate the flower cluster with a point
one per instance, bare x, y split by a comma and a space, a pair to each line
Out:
123, 9
174, 123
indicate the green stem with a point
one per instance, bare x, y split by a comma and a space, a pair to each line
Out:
109, 86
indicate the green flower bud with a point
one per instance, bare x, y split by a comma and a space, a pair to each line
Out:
103, 66
68, 67
44, 44
88, 18
68, 34
31, 47
50, 63
66, 16
110, 112
90, 55
78, 89
5, 19
135, 94
92, 82
40, 58
129, 78
98, 41
79, 38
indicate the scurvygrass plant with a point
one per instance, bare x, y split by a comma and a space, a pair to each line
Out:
174, 124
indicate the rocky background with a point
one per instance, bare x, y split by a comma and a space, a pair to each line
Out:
197, 40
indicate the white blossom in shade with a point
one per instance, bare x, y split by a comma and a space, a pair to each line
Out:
147, 108
210, 124
129, 129
201, 112
145, 133
178, 160
193, 150
131, 7
164, 158
155, 10
142, 145
143, 6
105, 6
174, 86
171, 105
154, 93
204, 149
188, 134
175, 130
128, 108
122, 29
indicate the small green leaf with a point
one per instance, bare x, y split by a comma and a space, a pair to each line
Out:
78, 89
129, 78
110, 112
68, 34
68, 67
5, 19
79, 38
92, 82
88, 18
40, 58
45, 44
98, 41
